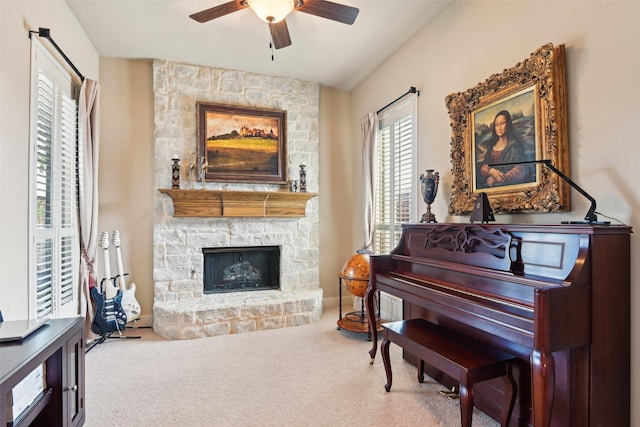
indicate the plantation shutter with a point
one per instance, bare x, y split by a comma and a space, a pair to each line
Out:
44, 194
54, 250
396, 182
68, 229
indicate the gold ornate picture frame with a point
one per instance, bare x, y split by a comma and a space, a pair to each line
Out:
526, 106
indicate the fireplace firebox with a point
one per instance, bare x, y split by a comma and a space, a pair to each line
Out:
235, 269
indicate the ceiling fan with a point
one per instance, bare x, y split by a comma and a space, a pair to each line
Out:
274, 12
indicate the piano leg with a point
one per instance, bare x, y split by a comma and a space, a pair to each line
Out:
376, 315
362, 312
543, 380
369, 301
509, 396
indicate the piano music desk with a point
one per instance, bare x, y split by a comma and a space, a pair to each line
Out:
466, 360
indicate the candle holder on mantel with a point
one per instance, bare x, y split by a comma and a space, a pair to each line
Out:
204, 164
175, 174
303, 179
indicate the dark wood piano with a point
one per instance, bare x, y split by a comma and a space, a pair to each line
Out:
556, 296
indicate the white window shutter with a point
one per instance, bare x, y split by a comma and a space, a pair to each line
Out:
54, 250
396, 181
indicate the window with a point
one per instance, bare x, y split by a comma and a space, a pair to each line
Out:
53, 248
396, 181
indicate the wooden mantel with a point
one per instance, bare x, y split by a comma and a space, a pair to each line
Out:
235, 204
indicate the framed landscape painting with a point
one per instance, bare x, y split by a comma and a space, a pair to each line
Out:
242, 144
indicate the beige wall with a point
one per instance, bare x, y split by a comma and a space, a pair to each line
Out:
126, 169
16, 19
336, 188
469, 41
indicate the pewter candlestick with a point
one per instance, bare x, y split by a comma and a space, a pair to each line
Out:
175, 173
203, 170
303, 179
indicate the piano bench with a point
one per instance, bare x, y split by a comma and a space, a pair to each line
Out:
464, 359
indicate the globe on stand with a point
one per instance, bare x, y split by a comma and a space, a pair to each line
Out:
354, 276
429, 188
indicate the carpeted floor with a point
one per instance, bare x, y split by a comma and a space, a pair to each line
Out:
312, 375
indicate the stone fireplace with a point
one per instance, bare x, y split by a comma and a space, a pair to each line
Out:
182, 307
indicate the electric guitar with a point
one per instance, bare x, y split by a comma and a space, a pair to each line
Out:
110, 316
129, 302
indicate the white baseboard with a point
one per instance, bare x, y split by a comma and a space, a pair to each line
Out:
347, 300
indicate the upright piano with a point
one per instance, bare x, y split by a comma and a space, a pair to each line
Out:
556, 296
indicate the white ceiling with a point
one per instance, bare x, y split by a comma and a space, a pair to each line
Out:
331, 53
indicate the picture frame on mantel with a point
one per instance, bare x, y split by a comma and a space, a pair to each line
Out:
527, 104
241, 144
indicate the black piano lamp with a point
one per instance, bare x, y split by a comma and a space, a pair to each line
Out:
590, 217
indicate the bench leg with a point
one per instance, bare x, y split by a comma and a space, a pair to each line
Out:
421, 372
466, 405
509, 397
384, 349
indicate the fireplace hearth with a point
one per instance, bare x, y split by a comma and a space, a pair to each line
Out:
241, 269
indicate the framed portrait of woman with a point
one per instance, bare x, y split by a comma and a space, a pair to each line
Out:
512, 118
504, 132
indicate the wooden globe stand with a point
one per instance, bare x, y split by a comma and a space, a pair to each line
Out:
357, 321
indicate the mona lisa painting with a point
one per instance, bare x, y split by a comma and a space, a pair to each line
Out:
513, 117
504, 132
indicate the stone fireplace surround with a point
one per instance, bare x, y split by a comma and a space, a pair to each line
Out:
181, 309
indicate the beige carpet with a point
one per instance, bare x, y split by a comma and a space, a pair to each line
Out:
309, 375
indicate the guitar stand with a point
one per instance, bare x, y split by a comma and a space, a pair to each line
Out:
105, 337
131, 324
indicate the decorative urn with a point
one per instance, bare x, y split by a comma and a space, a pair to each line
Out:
429, 189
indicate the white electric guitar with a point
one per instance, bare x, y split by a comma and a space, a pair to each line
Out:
129, 302
108, 284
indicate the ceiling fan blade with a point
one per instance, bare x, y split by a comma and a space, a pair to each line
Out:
280, 34
329, 10
218, 11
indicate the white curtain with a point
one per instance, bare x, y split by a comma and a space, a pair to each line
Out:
369, 126
89, 126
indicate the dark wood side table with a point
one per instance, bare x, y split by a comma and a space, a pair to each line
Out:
60, 346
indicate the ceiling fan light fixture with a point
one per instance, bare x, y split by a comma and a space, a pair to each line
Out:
271, 11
